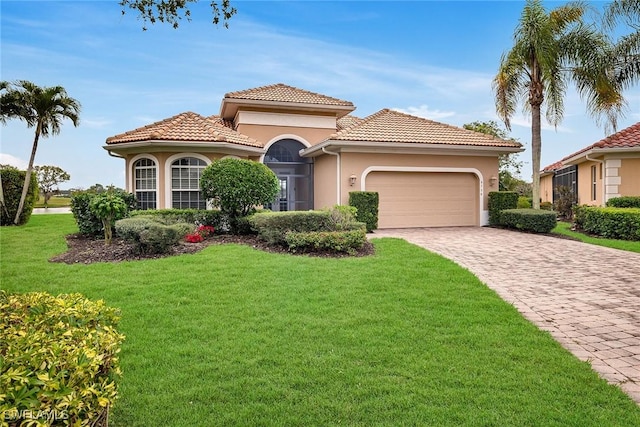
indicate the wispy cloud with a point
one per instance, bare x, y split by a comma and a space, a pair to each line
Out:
426, 112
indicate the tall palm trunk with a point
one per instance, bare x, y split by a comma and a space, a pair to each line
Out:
27, 178
536, 148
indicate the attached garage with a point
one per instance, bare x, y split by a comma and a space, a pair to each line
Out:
426, 199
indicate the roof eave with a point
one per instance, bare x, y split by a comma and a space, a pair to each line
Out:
582, 157
229, 106
413, 147
159, 145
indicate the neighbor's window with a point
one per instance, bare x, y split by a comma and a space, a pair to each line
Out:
185, 183
145, 173
594, 176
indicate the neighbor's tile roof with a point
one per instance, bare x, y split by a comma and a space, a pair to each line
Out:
393, 126
187, 126
283, 93
626, 138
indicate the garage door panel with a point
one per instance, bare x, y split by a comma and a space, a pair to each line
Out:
425, 199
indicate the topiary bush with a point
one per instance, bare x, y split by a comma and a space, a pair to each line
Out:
88, 223
612, 223
213, 218
366, 203
624, 202
150, 236
499, 201
534, 220
58, 359
12, 182
272, 227
237, 186
107, 207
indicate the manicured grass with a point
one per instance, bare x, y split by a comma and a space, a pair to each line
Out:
235, 336
54, 202
564, 228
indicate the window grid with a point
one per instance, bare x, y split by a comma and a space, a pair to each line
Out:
185, 183
145, 173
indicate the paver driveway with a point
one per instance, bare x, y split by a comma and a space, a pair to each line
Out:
586, 296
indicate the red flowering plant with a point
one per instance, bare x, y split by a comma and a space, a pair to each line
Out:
201, 233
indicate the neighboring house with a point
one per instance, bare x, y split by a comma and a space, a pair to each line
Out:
609, 168
426, 173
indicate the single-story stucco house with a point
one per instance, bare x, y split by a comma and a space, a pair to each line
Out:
608, 168
426, 173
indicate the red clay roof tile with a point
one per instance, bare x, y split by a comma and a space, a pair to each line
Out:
283, 93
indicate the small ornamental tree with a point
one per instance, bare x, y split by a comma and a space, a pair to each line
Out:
237, 186
108, 207
48, 179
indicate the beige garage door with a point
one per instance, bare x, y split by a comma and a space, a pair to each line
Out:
425, 199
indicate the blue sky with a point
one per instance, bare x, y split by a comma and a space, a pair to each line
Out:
435, 59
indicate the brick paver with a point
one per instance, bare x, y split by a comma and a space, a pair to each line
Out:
586, 296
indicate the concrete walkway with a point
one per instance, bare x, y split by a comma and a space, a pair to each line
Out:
586, 296
42, 211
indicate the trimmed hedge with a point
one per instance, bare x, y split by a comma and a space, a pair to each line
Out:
12, 182
150, 236
366, 203
499, 201
58, 359
272, 227
535, 220
624, 202
335, 241
214, 218
612, 223
88, 223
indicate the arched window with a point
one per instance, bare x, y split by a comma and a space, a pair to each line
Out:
145, 173
185, 183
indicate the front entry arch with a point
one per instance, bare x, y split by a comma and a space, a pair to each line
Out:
295, 175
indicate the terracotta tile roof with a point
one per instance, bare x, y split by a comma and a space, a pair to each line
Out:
553, 167
392, 126
626, 138
187, 126
347, 122
283, 93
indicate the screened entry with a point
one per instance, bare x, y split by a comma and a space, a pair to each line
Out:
295, 175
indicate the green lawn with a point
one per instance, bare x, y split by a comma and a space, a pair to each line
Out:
564, 228
235, 336
54, 202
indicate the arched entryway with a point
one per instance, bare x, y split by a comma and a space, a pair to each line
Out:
294, 173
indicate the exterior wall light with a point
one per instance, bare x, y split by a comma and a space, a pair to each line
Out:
352, 180
493, 181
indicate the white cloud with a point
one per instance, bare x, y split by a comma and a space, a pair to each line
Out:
425, 112
99, 123
8, 159
523, 121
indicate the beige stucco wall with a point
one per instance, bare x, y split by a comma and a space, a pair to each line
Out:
584, 183
324, 181
264, 134
546, 188
630, 177
356, 163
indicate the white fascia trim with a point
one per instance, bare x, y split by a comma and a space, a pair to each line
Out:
130, 184
234, 103
483, 215
284, 119
411, 148
167, 173
599, 152
273, 140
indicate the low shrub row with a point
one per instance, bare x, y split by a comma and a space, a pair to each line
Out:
499, 201
150, 236
332, 229
624, 202
535, 220
58, 359
213, 218
609, 222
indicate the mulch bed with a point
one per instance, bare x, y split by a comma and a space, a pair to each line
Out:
86, 250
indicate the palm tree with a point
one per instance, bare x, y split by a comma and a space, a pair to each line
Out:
42, 107
550, 50
626, 58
